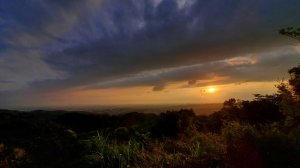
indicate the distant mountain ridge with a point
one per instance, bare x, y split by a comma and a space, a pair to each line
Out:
199, 109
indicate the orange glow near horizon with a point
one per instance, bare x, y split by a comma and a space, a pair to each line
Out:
174, 93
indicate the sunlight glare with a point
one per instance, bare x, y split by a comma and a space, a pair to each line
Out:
211, 89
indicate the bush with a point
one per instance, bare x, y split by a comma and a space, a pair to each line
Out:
103, 153
241, 145
44, 143
174, 124
264, 146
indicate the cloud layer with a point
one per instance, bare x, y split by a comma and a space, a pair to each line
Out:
52, 45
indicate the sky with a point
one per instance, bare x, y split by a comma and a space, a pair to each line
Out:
104, 52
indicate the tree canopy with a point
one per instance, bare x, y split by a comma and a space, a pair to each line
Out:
291, 32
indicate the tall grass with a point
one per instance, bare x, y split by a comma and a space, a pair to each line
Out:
105, 153
203, 150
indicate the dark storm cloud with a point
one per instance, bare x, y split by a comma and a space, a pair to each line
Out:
126, 37
53, 45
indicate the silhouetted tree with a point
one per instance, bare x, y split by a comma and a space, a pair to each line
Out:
291, 32
295, 79
172, 124
290, 94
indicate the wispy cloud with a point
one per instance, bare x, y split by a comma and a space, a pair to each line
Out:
20, 69
265, 66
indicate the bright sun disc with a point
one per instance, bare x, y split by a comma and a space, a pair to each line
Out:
211, 89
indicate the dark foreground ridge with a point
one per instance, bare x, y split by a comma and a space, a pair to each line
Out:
242, 134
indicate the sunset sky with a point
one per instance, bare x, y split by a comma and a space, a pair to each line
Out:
105, 52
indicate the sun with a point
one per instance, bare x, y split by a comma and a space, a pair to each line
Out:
211, 89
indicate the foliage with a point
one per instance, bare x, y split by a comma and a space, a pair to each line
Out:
102, 153
266, 146
12, 157
174, 124
44, 143
291, 32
